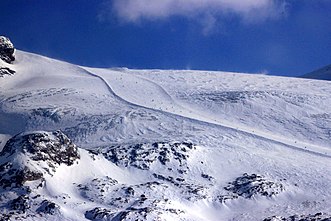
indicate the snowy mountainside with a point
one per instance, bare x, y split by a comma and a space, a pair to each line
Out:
161, 144
252, 103
323, 73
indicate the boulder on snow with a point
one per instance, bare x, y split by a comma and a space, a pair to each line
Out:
6, 50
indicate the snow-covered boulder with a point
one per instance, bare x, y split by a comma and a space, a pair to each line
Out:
6, 50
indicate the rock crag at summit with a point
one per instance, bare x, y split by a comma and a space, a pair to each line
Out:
6, 50
7, 55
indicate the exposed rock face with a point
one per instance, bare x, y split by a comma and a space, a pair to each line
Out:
48, 207
54, 147
142, 156
250, 185
25, 156
25, 161
6, 50
310, 217
20, 204
12, 176
98, 214
6, 71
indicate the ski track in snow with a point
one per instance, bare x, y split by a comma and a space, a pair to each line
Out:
301, 146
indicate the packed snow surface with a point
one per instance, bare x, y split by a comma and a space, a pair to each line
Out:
161, 144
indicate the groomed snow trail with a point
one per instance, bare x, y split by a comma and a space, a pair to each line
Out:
143, 93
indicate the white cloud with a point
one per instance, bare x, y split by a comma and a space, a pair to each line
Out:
248, 10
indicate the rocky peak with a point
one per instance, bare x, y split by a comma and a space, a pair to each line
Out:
7, 55
6, 50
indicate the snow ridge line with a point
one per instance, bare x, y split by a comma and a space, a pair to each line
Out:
208, 123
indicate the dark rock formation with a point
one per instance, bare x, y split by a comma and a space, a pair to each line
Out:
54, 147
48, 207
5, 217
6, 50
133, 202
98, 214
20, 204
6, 71
248, 186
12, 176
142, 156
310, 217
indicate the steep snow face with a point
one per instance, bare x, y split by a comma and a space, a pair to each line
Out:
53, 94
320, 74
163, 145
289, 110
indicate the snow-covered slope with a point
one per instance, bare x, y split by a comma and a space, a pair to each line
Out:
320, 74
162, 144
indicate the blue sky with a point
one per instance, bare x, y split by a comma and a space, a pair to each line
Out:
278, 37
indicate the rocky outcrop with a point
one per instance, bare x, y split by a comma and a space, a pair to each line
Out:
6, 50
53, 147
20, 204
98, 214
25, 161
251, 185
48, 207
310, 217
142, 156
7, 55
6, 71
25, 155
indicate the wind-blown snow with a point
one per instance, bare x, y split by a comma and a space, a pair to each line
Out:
173, 145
